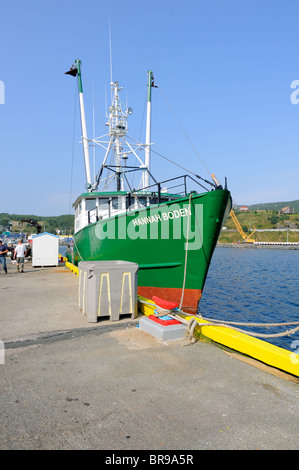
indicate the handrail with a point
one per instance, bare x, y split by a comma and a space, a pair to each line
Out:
184, 183
181, 181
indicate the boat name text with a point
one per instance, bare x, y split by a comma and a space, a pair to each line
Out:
176, 214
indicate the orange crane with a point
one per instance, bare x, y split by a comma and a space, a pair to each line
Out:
246, 238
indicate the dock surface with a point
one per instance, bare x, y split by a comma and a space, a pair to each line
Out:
67, 384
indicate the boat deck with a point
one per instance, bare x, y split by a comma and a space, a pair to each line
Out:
67, 384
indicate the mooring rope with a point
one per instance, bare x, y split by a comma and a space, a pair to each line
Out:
191, 324
251, 333
251, 324
77, 249
186, 253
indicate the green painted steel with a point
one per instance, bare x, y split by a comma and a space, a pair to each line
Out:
149, 88
80, 87
141, 237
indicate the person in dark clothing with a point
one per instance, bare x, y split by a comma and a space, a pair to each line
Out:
3, 251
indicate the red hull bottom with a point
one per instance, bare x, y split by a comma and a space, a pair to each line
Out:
190, 301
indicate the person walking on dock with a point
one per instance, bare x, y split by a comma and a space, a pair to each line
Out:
3, 251
20, 252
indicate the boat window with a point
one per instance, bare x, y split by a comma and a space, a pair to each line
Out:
76, 211
154, 199
90, 204
103, 203
141, 201
80, 207
115, 203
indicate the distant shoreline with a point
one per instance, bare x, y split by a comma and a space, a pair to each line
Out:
252, 245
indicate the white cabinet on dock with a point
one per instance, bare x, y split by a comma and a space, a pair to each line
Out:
45, 247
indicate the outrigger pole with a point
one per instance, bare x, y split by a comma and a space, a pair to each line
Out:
147, 153
76, 71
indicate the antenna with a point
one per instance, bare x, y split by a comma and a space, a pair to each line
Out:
106, 101
110, 52
93, 126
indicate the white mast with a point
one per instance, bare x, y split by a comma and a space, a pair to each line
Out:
147, 153
118, 144
117, 130
83, 127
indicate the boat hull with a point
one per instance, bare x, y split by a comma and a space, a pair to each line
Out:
172, 243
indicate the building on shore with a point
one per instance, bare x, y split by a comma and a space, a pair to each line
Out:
286, 210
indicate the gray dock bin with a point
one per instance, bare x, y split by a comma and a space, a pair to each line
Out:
108, 289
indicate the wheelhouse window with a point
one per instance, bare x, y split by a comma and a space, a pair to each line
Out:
90, 204
104, 203
115, 203
141, 202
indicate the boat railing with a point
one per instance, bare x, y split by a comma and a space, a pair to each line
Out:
156, 193
184, 182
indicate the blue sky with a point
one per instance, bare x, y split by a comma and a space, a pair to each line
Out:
225, 67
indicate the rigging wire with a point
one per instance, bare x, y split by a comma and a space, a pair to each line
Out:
95, 108
99, 114
73, 149
185, 133
143, 114
110, 51
141, 129
174, 163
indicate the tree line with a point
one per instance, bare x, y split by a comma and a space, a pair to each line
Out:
64, 223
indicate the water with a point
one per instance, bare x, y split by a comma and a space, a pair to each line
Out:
254, 285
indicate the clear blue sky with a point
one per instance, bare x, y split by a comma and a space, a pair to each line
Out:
226, 69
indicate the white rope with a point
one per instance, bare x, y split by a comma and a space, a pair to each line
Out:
251, 324
186, 254
193, 323
77, 249
251, 333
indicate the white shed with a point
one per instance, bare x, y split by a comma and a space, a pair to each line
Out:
45, 248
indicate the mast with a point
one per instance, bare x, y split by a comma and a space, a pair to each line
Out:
76, 70
117, 132
147, 153
83, 127
117, 122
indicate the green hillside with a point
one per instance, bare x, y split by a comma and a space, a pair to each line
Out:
262, 219
276, 206
261, 216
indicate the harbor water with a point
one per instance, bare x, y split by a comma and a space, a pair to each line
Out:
254, 286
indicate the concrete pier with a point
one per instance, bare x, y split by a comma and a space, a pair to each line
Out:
69, 384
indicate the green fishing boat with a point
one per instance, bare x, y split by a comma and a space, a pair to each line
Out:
169, 228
